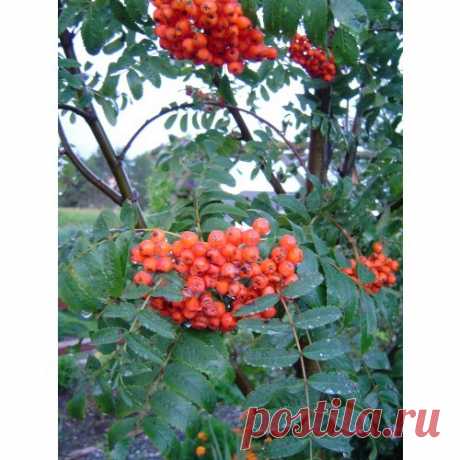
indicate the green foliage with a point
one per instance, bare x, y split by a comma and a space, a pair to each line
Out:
68, 372
159, 378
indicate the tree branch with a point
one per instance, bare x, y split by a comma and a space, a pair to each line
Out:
239, 120
90, 115
290, 145
318, 142
160, 114
89, 175
81, 113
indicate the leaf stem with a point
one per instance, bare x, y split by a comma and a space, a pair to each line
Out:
302, 362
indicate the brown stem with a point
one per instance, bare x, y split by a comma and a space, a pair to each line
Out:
348, 236
242, 382
81, 113
318, 141
89, 175
239, 120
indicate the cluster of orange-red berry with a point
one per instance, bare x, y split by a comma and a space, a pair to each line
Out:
313, 59
220, 275
382, 267
212, 32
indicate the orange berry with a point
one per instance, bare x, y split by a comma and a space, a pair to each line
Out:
196, 284
143, 278
187, 256
260, 282
201, 265
268, 267
150, 264
291, 279
189, 314
233, 235
157, 235
228, 270
209, 7
271, 53
268, 290
188, 239
286, 268
200, 40
200, 322
210, 309
246, 270
177, 247
193, 304
222, 287
217, 239
200, 248
251, 237
261, 226
394, 265
227, 322
278, 254
377, 247
200, 451
216, 257
251, 254
189, 45
181, 267
228, 250
236, 68
288, 242
204, 55
232, 55
177, 316
269, 313
136, 256
220, 306
147, 248
295, 255
234, 289
163, 248
243, 23
164, 264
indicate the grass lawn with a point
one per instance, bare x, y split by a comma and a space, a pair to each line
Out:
77, 217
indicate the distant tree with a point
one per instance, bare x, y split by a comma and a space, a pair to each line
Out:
76, 191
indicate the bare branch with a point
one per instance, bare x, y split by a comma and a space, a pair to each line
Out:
160, 114
89, 175
81, 113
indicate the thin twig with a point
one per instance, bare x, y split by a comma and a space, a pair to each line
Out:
347, 235
89, 175
163, 112
81, 113
160, 114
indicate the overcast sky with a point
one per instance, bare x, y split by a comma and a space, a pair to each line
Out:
152, 101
